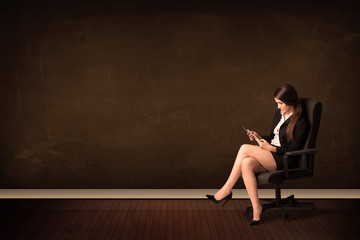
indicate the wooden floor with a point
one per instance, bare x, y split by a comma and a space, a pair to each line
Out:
171, 219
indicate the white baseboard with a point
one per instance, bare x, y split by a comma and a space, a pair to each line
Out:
169, 193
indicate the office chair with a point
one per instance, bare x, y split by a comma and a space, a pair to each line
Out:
311, 110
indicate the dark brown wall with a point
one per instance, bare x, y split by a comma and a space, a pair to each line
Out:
140, 95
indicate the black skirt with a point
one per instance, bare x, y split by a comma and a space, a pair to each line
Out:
280, 162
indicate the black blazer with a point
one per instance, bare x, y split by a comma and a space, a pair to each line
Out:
300, 134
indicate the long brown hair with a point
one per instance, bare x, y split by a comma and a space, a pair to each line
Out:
288, 95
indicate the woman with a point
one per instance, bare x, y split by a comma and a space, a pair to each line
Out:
288, 133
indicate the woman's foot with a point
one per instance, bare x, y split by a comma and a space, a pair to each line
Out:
221, 194
254, 222
257, 214
226, 198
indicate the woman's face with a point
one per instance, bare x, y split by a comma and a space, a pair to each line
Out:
285, 109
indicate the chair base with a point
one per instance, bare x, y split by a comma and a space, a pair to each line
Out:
282, 204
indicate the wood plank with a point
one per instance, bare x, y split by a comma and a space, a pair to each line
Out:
199, 231
162, 221
102, 214
339, 224
275, 219
210, 219
189, 220
177, 225
251, 231
217, 220
106, 228
156, 220
226, 218
321, 228
149, 220
127, 225
203, 220
85, 225
60, 223
183, 223
52, 218
299, 218
121, 217
170, 220
119, 209
239, 219
142, 221
69, 229
272, 231
134, 223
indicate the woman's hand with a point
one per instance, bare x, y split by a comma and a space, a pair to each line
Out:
265, 145
251, 137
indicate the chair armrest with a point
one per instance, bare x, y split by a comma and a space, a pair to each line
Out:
301, 152
295, 153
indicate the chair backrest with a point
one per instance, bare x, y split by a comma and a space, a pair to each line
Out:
311, 110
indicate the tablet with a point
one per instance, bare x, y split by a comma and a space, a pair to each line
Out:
248, 131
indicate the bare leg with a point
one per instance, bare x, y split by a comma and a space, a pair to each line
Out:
245, 151
234, 175
257, 162
250, 167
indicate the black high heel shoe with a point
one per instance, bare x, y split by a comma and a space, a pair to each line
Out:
256, 222
226, 198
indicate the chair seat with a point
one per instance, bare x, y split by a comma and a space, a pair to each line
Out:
278, 177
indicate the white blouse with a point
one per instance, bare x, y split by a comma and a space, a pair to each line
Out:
276, 140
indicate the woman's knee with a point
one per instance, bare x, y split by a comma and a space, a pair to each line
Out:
242, 153
248, 164
244, 149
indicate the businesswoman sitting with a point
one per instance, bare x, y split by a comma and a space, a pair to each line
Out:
288, 133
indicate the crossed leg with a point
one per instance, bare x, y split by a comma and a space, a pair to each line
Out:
249, 161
